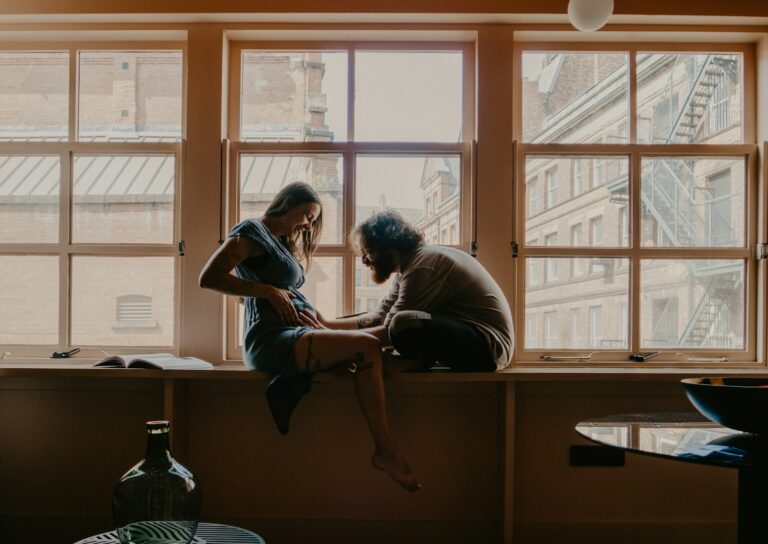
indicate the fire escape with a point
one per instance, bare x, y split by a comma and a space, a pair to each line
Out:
670, 196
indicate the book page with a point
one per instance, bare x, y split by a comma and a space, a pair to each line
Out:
164, 361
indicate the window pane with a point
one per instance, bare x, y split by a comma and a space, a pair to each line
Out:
130, 95
408, 96
122, 301
263, 176
29, 310
575, 97
584, 211
293, 96
123, 199
693, 202
424, 189
323, 286
29, 199
589, 314
34, 96
685, 98
692, 303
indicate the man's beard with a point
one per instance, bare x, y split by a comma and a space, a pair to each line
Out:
383, 267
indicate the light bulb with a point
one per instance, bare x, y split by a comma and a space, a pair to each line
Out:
589, 15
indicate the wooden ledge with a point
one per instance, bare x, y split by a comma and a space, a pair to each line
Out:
516, 374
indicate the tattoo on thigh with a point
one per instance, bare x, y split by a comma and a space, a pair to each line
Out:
309, 352
359, 364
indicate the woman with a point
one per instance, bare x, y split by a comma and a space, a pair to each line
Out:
283, 334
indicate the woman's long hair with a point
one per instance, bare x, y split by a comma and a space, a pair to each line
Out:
290, 196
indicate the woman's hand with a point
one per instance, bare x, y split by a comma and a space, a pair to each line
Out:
281, 301
310, 320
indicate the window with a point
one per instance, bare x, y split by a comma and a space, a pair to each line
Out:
577, 185
574, 328
530, 330
395, 135
90, 161
672, 207
595, 327
551, 270
552, 187
576, 241
596, 231
535, 205
134, 312
551, 333
624, 226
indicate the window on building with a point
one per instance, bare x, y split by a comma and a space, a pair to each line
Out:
90, 162
551, 332
574, 328
552, 187
577, 184
595, 327
551, 267
301, 116
576, 241
596, 231
670, 145
535, 204
531, 333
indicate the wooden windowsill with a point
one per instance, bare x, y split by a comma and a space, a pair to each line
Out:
518, 374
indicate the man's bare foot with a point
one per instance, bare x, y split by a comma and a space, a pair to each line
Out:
393, 463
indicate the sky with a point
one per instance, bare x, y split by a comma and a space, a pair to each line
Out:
400, 96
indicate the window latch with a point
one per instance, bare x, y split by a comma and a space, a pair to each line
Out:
582, 357
762, 251
473, 248
515, 248
643, 357
64, 354
695, 359
181, 248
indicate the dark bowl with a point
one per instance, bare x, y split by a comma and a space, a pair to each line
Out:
736, 403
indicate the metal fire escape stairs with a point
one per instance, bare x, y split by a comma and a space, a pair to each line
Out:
670, 200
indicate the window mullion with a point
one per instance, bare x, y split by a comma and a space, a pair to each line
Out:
632, 96
348, 221
634, 260
65, 261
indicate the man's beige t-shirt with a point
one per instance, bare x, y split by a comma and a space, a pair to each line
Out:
446, 281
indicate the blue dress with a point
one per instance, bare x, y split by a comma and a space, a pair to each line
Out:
267, 342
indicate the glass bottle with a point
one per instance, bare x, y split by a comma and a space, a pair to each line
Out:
158, 500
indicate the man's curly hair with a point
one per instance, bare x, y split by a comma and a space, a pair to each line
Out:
386, 230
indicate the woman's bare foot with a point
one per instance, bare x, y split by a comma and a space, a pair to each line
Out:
393, 463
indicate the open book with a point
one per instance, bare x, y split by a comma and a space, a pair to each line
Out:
163, 361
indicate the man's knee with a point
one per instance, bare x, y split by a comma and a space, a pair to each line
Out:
407, 321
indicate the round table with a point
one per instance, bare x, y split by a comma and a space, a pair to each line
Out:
207, 533
691, 438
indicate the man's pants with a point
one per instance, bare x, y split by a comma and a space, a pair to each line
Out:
434, 338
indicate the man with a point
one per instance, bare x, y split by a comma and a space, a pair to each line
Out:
443, 305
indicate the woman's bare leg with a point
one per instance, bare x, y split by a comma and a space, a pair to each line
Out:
323, 349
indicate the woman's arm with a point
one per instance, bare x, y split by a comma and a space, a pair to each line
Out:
217, 275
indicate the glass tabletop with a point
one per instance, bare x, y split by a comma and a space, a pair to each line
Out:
684, 436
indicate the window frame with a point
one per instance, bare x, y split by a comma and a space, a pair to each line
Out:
66, 150
754, 346
349, 150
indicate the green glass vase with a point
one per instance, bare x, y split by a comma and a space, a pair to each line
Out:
158, 500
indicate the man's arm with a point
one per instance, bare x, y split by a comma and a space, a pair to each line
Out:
370, 319
357, 321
